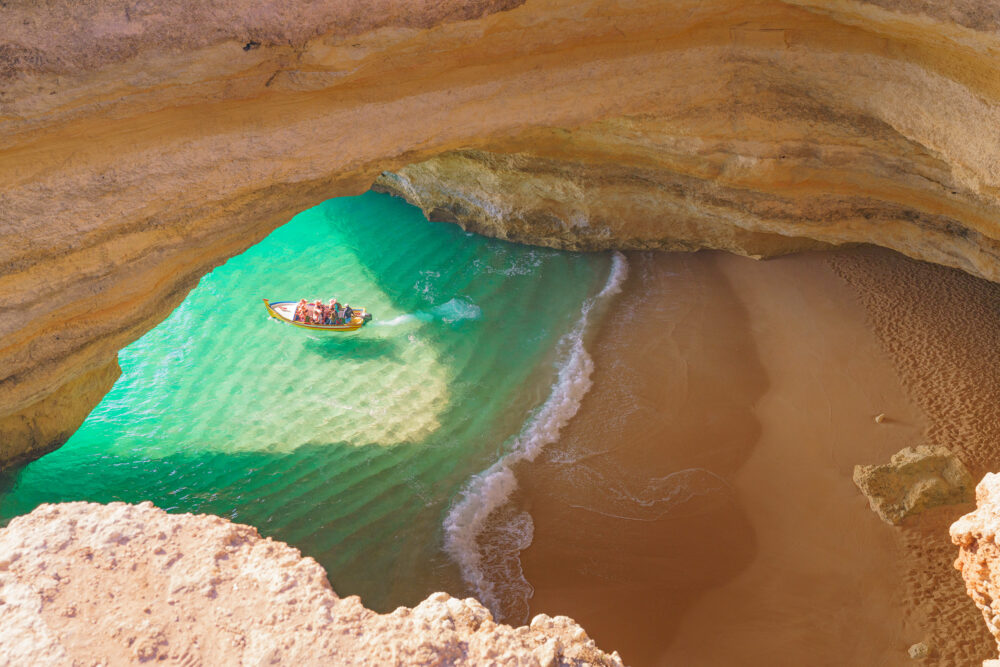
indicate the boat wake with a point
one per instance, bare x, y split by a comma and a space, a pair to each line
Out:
453, 310
494, 572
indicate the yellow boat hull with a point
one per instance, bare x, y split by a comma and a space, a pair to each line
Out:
280, 310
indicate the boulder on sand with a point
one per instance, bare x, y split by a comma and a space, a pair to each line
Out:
915, 479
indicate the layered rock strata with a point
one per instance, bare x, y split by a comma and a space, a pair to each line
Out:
615, 201
141, 145
82, 583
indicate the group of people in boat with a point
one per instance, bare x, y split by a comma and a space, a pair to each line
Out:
319, 313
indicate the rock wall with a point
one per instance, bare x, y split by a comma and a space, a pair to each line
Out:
979, 553
82, 583
574, 205
143, 144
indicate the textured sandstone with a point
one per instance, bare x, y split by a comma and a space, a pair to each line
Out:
915, 479
142, 144
582, 206
47, 424
979, 554
82, 583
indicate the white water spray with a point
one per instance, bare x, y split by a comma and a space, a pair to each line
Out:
490, 489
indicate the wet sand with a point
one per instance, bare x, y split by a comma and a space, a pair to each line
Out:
645, 461
699, 509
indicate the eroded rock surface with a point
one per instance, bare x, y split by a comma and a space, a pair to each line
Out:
143, 144
82, 583
915, 479
979, 554
572, 204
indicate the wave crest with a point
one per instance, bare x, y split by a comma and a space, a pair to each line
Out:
488, 491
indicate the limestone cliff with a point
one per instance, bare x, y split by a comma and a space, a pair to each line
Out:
979, 553
82, 583
141, 144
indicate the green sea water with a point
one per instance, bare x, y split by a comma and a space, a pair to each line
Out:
363, 450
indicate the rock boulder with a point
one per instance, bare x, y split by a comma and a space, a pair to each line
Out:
914, 480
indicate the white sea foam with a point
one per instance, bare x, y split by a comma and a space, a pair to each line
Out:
453, 310
395, 321
490, 489
520, 264
652, 499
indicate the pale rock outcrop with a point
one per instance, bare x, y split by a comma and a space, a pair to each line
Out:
979, 553
919, 651
82, 583
142, 144
915, 479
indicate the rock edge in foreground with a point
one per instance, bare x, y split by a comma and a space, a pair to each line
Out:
124, 584
979, 555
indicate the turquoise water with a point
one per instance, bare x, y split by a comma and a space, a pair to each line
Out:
355, 448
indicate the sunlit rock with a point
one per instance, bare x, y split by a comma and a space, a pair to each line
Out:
127, 584
914, 480
979, 554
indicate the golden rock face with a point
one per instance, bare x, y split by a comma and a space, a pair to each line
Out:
975, 535
140, 149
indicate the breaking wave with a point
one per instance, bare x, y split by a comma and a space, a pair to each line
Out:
490, 571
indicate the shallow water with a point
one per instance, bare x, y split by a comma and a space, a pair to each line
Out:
352, 447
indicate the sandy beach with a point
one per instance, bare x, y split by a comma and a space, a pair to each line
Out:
632, 509
699, 509
941, 328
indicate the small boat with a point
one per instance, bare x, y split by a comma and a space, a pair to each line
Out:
284, 311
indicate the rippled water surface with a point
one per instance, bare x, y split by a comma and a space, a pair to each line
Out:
351, 447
